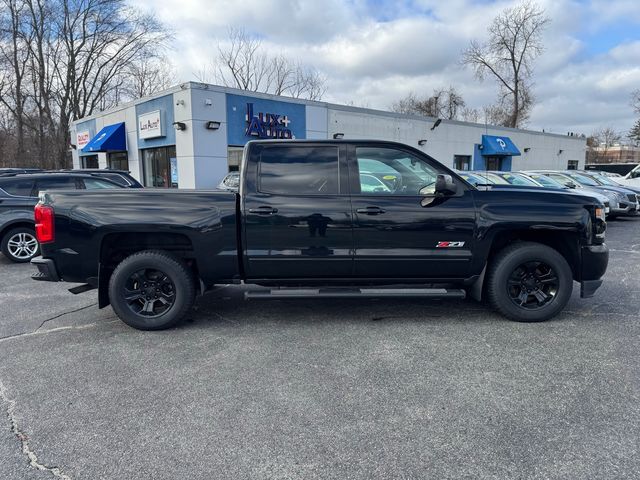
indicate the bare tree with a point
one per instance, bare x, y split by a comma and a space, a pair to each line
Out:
443, 103
147, 76
14, 61
101, 39
599, 143
469, 114
515, 41
62, 60
242, 62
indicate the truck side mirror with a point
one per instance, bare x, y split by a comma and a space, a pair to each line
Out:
571, 185
445, 185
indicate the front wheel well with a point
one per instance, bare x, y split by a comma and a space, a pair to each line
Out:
565, 243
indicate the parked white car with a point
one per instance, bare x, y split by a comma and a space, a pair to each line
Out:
632, 179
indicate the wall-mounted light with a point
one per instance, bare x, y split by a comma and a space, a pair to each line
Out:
179, 126
208, 102
338, 136
436, 123
212, 125
180, 102
422, 142
560, 152
527, 149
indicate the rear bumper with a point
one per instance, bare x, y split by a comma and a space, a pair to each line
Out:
595, 259
46, 270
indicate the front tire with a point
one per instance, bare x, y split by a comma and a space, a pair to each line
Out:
20, 245
529, 282
151, 290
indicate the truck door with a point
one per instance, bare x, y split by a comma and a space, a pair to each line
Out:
297, 212
401, 229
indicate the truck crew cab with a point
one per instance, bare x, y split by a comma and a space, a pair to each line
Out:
326, 219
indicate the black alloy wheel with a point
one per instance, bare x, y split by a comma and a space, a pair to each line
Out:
528, 282
532, 285
149, 292
152, 290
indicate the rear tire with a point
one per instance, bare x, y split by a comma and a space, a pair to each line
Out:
529, 282
151, 290
20, 245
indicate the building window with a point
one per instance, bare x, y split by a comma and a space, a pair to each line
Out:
89, 161
234, 158
572, 165
160, 167
462, 162
118, 161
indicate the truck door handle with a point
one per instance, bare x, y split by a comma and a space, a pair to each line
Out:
264, 210
370, 210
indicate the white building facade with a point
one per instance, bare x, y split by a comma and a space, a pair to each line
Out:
192, 135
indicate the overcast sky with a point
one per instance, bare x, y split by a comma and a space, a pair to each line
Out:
376, 51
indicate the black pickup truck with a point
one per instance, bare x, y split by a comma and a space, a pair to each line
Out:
336, 218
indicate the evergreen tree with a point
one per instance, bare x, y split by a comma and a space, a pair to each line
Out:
634, 133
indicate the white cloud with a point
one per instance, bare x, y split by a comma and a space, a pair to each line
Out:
375, 56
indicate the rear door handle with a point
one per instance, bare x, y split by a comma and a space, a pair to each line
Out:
264, 210
370, 210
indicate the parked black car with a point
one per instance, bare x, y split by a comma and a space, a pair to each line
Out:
18, 196
14, 171
305, 225
121, 177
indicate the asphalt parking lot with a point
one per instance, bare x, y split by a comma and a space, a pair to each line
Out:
300, 389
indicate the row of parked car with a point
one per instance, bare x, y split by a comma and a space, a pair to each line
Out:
19, 189
619, 199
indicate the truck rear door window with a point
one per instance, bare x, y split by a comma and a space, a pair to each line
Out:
300, 170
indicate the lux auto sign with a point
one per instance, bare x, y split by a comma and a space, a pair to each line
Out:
267, 125
150, 125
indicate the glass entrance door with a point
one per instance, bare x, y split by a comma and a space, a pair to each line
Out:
494, 163
157, 164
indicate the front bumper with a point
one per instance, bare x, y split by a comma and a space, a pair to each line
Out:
46, 270
595, 259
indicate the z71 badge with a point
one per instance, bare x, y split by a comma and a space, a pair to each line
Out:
450, 245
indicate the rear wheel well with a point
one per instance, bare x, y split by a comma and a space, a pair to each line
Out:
118, 246
19, 224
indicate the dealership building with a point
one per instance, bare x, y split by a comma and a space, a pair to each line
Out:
192, 135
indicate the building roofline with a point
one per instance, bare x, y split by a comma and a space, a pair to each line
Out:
332, 106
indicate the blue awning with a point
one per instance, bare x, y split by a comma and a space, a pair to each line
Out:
112, 138
498, 146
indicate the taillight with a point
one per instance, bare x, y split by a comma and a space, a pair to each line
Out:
45, 232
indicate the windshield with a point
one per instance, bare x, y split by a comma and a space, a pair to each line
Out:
492, 178
604, 180
546, 181
583, 180
516, 179
473, 179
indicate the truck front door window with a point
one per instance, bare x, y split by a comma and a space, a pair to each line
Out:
387, 171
